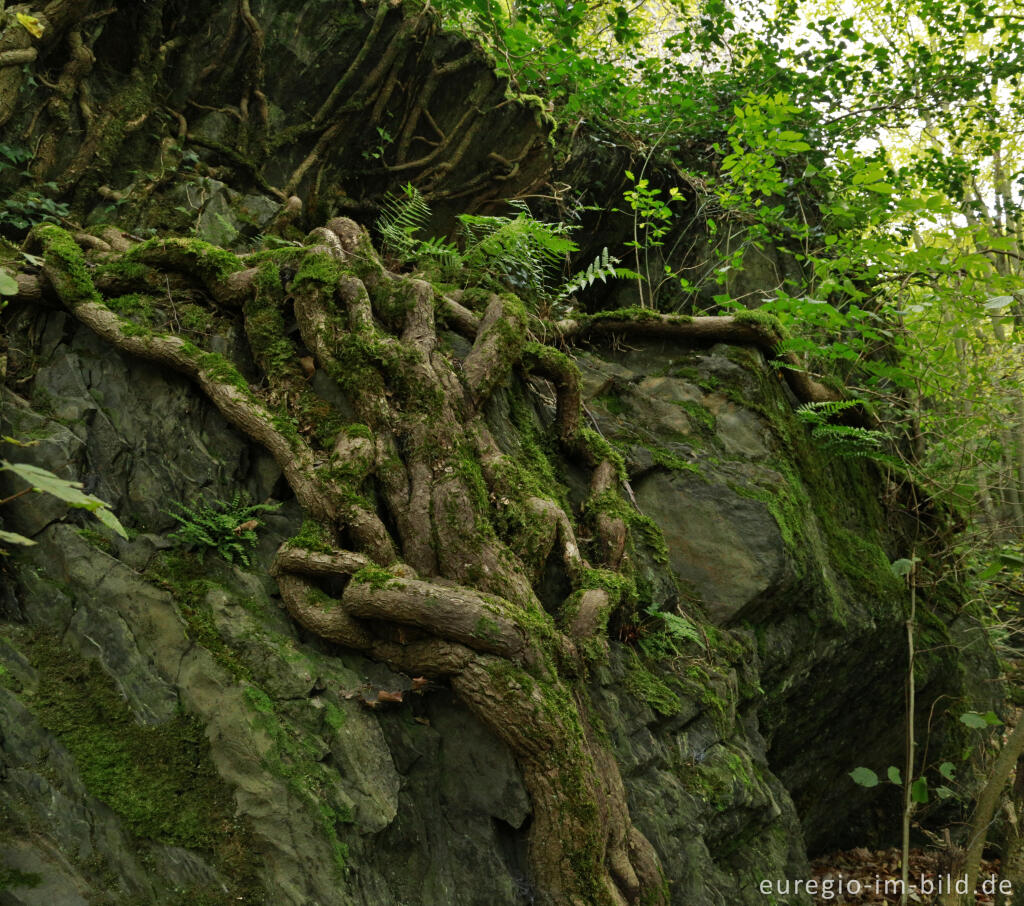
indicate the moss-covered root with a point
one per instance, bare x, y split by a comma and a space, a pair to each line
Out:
584, 849
751, 328
465, 606
317, 490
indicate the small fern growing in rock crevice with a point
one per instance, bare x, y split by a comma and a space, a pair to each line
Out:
227, 528
847, 441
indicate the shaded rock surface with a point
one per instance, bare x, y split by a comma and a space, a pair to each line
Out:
790, 546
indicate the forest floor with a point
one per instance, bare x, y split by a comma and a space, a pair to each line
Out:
864, 877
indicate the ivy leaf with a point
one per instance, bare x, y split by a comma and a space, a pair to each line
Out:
864, 776
14, 538
895, 776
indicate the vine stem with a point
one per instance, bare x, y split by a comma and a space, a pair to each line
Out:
908, 800
20, 493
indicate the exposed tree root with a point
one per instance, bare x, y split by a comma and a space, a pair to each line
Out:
448, 590
437, 537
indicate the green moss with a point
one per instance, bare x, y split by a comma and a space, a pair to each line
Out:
266, 329
96, 539
210, 262
131, 329
182, 574
487, 630
127, 270
67, 266
613, 403
143, 309
195, 319
296, 758
375, 577
312, 536
317, 267
158, 778
600, 449
358, 430
626, 314
223, 370
768, 322
699, 415
649, 687
12, 877
668, 460
334, 717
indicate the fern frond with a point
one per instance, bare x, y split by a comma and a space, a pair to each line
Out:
797, 345
401, 216
819, 413
227, 528
524, 251
847, 441
602, 268
441, 251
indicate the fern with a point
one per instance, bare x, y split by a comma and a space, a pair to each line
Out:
401, 217
227, 528
847, 441
668, 631
601, 268
518, 251
522, 251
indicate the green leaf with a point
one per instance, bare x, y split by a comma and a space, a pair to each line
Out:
946, 770
8, 285
15, 538
944, 792
864, 776
993, 569
902, 567
894, 775
998, 302
919, 790
978, 722
44, 481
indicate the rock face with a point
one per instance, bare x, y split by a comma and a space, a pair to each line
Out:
789, 547
169, 736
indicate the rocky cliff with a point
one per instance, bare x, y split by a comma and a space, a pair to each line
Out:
169, 733
622, 609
